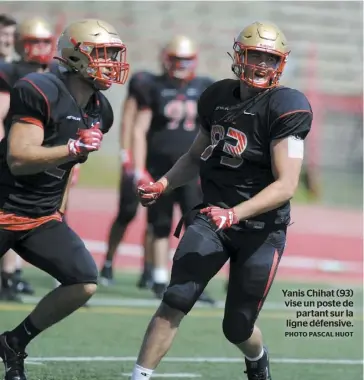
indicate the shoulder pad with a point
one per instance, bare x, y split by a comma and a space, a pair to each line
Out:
285, 100
41, 83
216, 90
107, 113
142, 77
140, 87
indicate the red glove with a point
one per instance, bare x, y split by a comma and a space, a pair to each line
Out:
222, 217
89, 140
148, 194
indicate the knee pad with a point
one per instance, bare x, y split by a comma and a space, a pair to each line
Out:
83, 273
237, 327
182, 296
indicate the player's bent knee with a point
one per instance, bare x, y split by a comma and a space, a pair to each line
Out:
237, 328
166, 312
89, 289
182, 297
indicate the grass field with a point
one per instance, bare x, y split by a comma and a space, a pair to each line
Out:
101, 341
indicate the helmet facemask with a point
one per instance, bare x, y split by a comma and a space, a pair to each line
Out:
258, 67
182, 68
93, 49
38, 50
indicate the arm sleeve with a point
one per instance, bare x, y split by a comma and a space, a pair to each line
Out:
140, 87
28, 104
291, 115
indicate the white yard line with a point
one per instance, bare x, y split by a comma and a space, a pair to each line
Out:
222, 360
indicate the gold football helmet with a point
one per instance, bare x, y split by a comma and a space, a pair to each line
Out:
35, 41
180, 58
94, 49
260, 55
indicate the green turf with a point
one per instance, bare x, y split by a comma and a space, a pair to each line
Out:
109, 331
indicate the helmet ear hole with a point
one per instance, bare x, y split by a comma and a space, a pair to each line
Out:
74, 59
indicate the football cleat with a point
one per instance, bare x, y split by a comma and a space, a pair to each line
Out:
13, 361
259, 370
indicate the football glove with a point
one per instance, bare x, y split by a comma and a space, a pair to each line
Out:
148, 194
88, 140
223, 218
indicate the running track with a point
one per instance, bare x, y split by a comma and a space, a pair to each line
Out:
323, 244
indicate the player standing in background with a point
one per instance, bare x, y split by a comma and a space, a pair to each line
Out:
7, 39
34, 42
249, 154
166, 125
56, 121
128, 199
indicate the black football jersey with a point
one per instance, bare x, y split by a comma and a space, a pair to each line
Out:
10, 73
237, 164
175, 122
45, 97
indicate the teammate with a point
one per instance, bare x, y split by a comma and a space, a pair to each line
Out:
34, 43
165, 127
7, 38
249, 154
56, 122
128, 200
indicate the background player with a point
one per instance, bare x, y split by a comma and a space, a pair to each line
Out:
249, 153
56, 121
7, 39
34, 42
128, 200
165, 127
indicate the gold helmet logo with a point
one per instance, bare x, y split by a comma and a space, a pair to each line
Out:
94, 49
35, 41
180, 58
260, 55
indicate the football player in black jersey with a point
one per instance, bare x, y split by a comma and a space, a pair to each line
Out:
128, 199
34, 42
156, 95
56, 122
248, 153
166, 125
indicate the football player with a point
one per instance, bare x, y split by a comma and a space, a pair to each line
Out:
7, 38
56, 120
248, 153
128, 199
34, 42
166, 125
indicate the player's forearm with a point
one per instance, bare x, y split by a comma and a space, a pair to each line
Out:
140, 152
125, 136
270, 198
183, 171
37, 159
